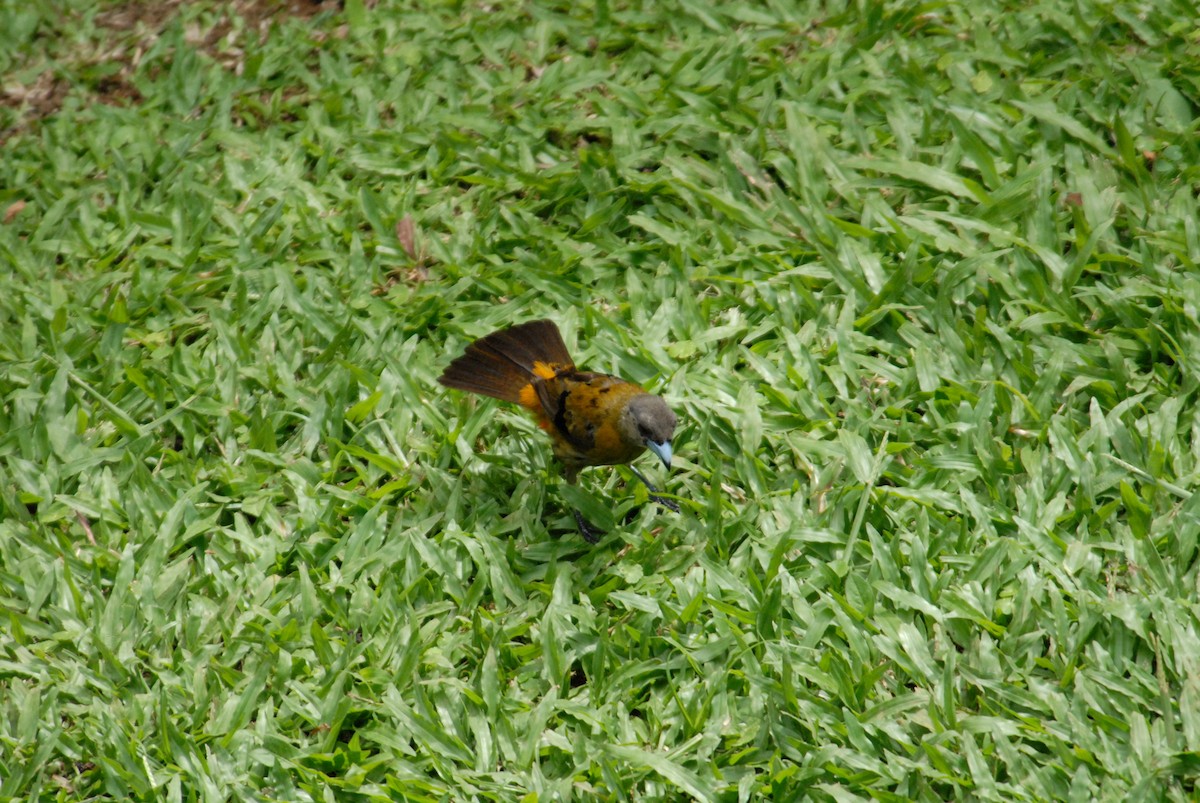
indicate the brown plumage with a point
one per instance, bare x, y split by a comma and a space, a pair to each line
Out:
592, 419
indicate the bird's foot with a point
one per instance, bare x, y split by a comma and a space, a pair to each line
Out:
590, 532
669, 504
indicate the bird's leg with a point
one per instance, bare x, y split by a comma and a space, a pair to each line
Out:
654, 497
589, 531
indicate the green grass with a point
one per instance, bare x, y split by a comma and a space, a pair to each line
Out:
921, 281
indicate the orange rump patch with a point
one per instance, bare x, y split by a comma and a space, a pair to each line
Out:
546, 370
528, 398
530, 401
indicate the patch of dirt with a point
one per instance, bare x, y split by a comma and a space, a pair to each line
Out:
296, 8
42, 97
152, 16
132, 28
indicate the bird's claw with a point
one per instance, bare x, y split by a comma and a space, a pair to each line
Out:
669, 504
590, 532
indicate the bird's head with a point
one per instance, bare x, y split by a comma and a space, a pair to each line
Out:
648, 420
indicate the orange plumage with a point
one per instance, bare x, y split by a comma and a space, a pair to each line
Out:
592, 419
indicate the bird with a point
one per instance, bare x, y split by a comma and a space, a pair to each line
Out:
592, 419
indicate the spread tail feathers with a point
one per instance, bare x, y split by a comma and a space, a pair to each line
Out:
504, 362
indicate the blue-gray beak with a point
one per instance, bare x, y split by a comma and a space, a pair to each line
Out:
663, 450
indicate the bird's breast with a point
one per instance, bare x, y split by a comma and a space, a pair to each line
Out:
586, 429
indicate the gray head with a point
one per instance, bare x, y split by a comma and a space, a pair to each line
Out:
648, 420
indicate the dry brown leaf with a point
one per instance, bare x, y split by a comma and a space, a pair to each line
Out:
13, 210
406, 233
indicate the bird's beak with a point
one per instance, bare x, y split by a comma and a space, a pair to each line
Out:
663, 450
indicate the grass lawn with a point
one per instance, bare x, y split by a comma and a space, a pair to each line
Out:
921, 281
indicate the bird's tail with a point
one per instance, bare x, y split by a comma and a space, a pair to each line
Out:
504, 363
